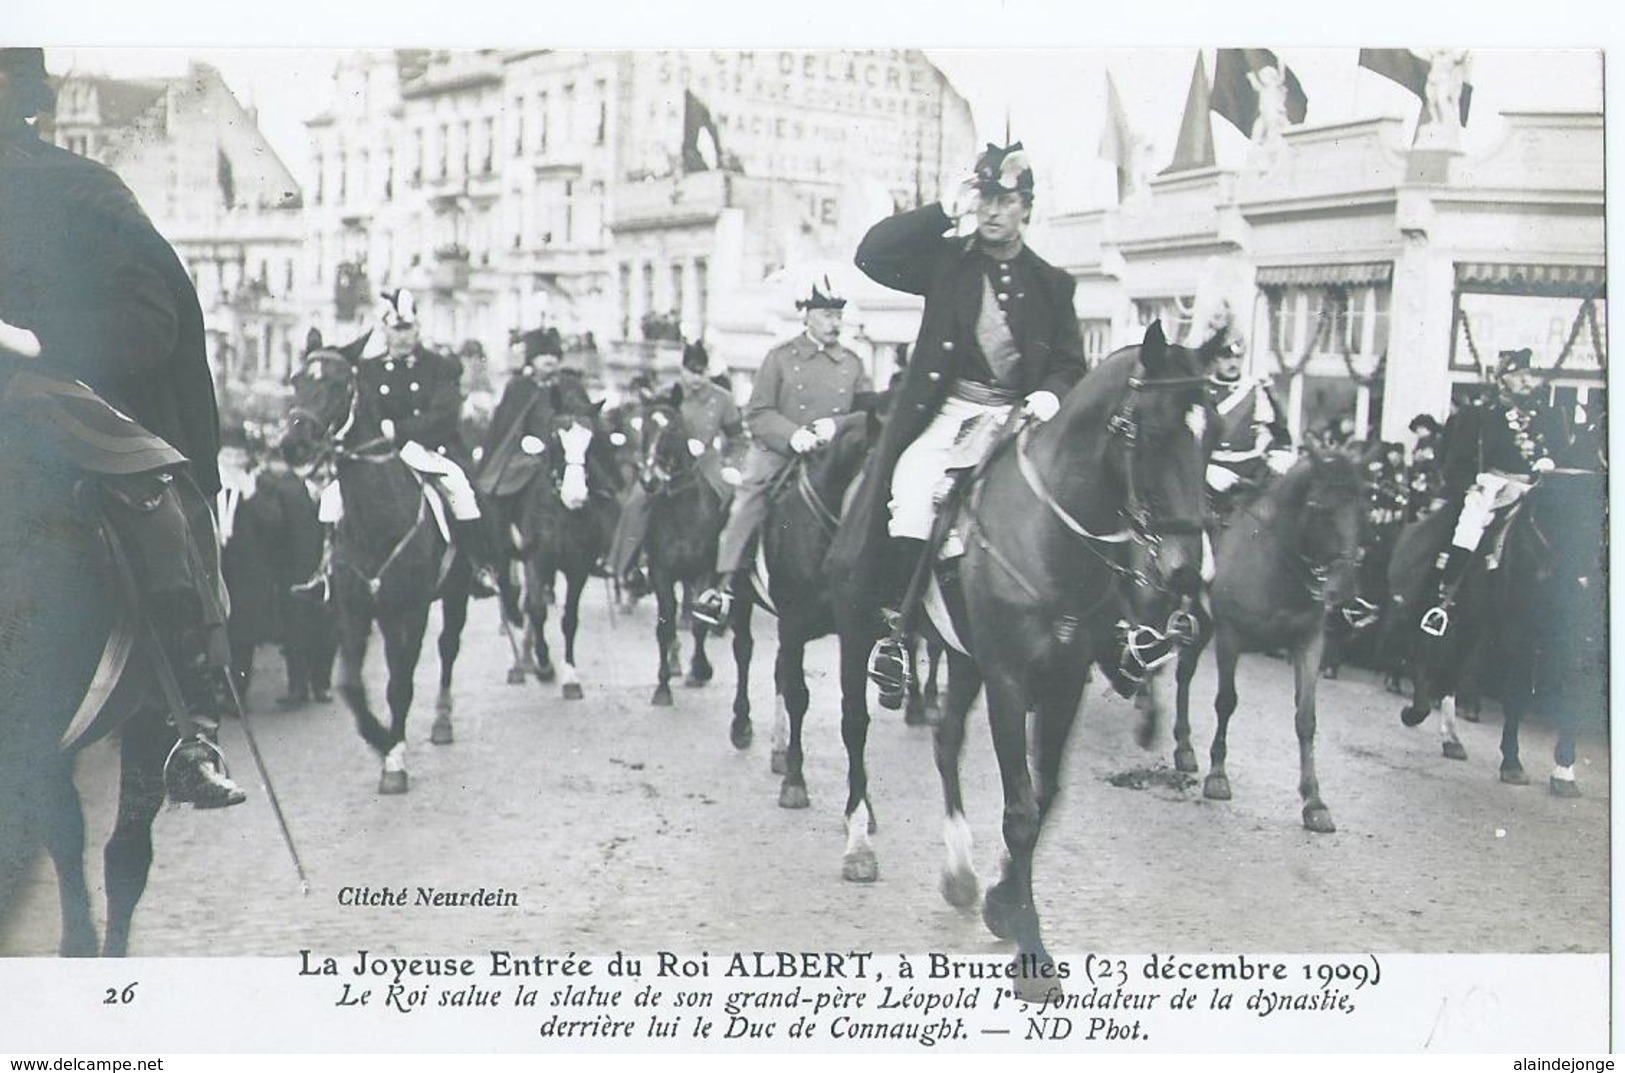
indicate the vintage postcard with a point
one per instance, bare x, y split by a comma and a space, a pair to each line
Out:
804, 537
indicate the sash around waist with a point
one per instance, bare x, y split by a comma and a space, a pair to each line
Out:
983, 394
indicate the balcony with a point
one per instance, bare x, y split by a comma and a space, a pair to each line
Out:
450, 269
671, 201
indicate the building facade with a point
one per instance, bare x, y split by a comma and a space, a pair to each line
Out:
1377, 279
195, 159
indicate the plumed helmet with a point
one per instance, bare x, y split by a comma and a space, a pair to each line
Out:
1514, 361
1004, 170
695, 358
400, 309
25, 69
823, 296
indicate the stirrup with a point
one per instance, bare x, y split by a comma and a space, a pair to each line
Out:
211, 787
1435, 622
714, 607
890, 668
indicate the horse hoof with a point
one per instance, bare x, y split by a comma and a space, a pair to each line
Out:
700, 675
1319, 819
1566, 788
779, 762
440, 733
793, 795
1216, 788
662, 697
695, 682
1515, 776
1185, 760
1034, 979
572, 691
933, 714
860, 866
996, 913
741, 734
914, 714
1412, 716
546, 674
1455, 750
392, 782
960, 889
516, 676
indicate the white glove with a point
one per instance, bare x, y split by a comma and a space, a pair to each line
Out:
824, 429
1042, 405
1220, 479
1280, 461
531, 445
18, 342
1543, 465
696, 448
387, 427
731, 475
803, 440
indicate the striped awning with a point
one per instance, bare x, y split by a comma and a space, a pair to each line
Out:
1546, 281
1349, 275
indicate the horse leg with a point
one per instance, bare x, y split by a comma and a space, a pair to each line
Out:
538, 597
454, 616
791, 677
665, 634
1512, 772
960, 886
859, 864
1189, 656
62, 822
700, 670
1562, 782
575, 582
1226, 651
740, 733
931, 697
403, 641
779, 758
1008, 909
1306, 663
356, 631
128, 856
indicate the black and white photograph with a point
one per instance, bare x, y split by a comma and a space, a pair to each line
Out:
1098, 547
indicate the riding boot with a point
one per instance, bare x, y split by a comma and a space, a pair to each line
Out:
195, 772
468, 534
891, 663
319, 586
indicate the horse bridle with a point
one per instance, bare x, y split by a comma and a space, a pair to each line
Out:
656, 479
332, 445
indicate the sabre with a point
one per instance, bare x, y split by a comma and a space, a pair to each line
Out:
270, 791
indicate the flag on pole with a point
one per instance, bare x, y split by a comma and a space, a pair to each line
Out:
1195, 146
1411, 71
1235, 96
702, 148
1118, 142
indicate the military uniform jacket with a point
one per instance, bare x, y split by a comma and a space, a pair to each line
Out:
527, 406
1480, 437
911, 252
83, 268
421, 393
1244, 408
799, 383
712, 417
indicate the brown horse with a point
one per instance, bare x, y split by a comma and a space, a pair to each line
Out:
389, 557
1094, 515
1287, 559
58, 615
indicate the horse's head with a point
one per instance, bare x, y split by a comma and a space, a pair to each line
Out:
669, 452
1324, 500
1161, 431
324, 406
578, 464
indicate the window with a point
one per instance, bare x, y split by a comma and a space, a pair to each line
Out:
569, 113
625, 275
344, 178
601, 95
1097, 338
420, 153
677, 288
648, 288
1174, 312
519, 126
488, 144
702, 294
389, 175
316, 194
569, 212
467, 146
445, 150
541, 122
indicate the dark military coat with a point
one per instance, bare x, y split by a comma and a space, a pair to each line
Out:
83, 268
422, 393
911, 252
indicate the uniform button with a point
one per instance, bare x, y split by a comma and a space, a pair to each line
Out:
441, 449
947, 344
416, 412
919, 406
1003, 297
383, 389
389, 366
933, 375
413, 385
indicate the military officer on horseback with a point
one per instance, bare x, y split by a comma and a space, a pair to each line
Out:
96, 308
999, 333
414, 396
527, 402
714, 423
806, 390
1252, 440
1495, 450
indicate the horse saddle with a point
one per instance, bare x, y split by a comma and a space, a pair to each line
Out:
74, 424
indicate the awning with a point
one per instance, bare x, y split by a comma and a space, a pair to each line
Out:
1326, 275
1545, 281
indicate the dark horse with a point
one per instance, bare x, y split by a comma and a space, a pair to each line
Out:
1541, 616
389, 560
803, 513
567, 514
1097, 510
1285, 561
63, 633
685, 519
